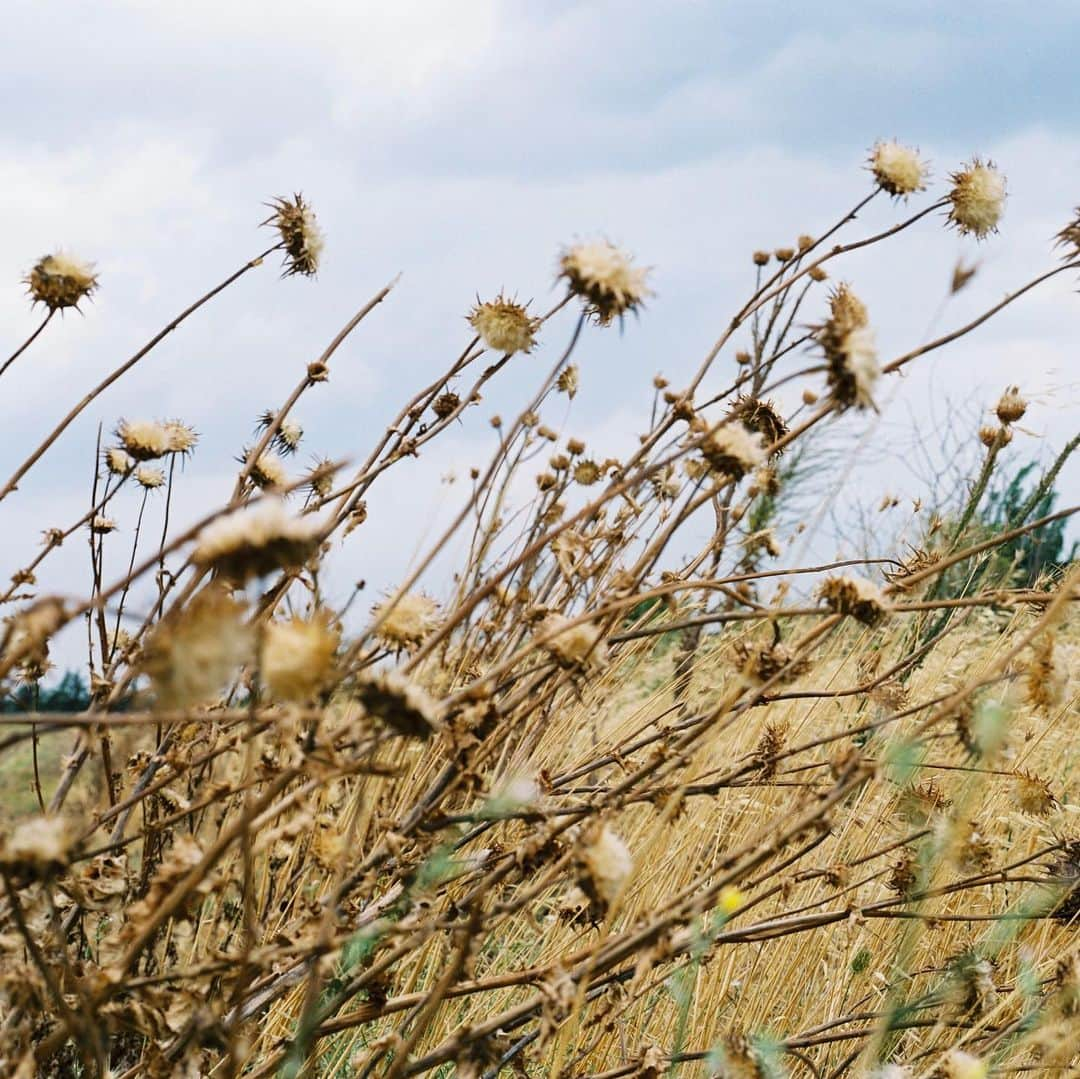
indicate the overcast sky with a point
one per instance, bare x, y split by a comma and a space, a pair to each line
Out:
462, 144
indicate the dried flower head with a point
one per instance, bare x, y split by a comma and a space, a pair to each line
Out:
268, 471
760, 662
761, 416
1047, 675
61, 280
300, 234
761, 258
990, 436
1033, 794
855, 596
848, 343
37, 847
1069, 237
117, 461
606, 278
256, 540
399, 703
144, 440
504, 326
192, 655
320, 477
101, 525
567, 382
182, 437
150, 477
297, 657
1011, 406
898, 170
587, 472
573, 645
404, 621
733, 449
978, 199
446, 404
606, 865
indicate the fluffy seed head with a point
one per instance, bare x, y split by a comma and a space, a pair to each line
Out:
734, 450
855, 596
102, 525
117, 461
607, 865
255, 540
606, 278
36, 848
961, 1065
898, 170
760, 416
193, 655
297, 657
504, 326
182, 438
300, 234
573, 646
269, 472
144, 440
848, 343
978, 199
406, 622
1011, 406
150, 477
399, 703
61, 280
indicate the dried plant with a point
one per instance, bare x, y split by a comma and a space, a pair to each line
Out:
586, 806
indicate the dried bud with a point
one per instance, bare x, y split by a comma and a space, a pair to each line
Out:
300, 234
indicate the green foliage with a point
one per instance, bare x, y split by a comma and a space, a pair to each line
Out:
70, 694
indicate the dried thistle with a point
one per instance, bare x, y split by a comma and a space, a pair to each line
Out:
854, 596
60, 281
504, 326
760, 416
898, 170
404, 622
400, 703
297, 657
605, 278
848, 343
1032, 794
732, 449
978, 199
301, 236
1011, 406
144, 440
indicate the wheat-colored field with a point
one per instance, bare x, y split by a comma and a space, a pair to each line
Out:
583, 805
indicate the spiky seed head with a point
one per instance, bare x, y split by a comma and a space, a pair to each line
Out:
117, 461
854, 596
182, 437
760, 416
406, 621
1047, 674
446, 404
587, 472
978, 199
1033, 794
150, 477
144, 440
61, 280
192, 655
256, 540
399, 703
1069, 237
732, 449
504, 326
848, 343
898, 170
268, 472
577, 645
567, 382
320, 478
102, 525
1011, 406
288, 436
606, 278
297, 657
300, 234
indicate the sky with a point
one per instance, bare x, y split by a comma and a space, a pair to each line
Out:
462, 145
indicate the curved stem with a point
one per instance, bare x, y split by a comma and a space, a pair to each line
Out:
28, 342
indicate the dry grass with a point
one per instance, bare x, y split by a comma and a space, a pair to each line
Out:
601, 811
